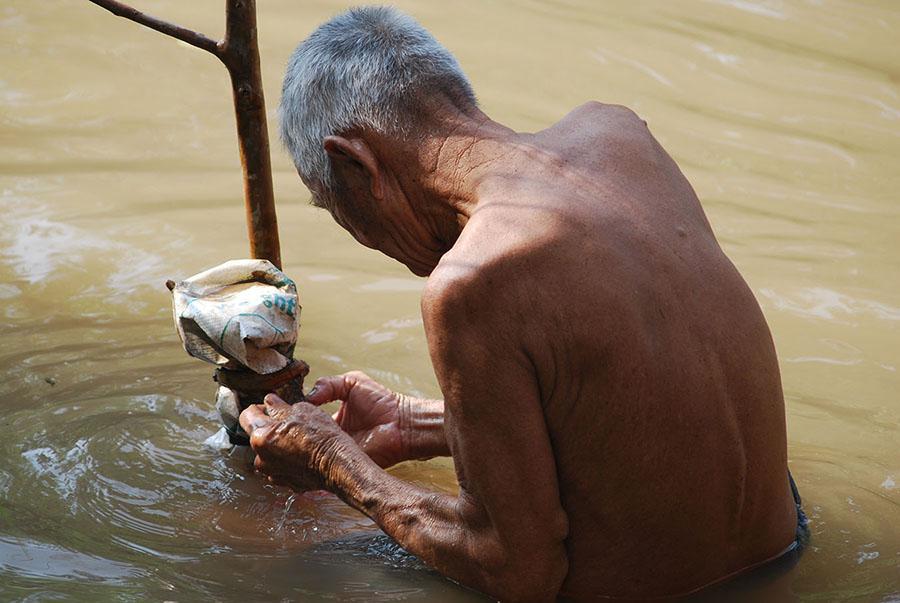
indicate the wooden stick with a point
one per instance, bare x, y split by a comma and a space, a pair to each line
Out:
170, 29
241, 56
239, 51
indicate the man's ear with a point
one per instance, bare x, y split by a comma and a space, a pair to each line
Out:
357, 151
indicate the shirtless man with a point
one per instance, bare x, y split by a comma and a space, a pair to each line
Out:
612, 400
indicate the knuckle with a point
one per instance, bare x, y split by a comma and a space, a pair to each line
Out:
259, 439
298, 410
356, 376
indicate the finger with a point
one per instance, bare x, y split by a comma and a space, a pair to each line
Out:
279, 480
261, 438
275, 406
325, 390
259, 465
336, 387
254, 417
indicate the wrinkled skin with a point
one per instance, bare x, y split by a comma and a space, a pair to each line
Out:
292, 443
612, 399
370, 416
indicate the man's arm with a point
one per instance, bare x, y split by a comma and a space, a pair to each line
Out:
504, 534
505, 531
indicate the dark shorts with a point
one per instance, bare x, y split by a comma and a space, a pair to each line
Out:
802, 534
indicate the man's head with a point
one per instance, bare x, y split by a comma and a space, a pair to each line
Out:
371, 73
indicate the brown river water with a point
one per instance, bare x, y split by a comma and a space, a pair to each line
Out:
119, 169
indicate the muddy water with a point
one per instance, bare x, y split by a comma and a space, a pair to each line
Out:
119, 169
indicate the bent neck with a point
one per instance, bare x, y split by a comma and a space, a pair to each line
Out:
464, 151
441, 169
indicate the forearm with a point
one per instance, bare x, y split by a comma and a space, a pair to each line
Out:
444, 531
302, 446
422, 428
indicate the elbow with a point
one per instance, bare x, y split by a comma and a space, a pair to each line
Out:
528, 577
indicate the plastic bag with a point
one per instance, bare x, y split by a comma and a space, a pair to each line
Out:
243, 314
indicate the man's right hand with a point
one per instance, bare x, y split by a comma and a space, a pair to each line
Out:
370, 413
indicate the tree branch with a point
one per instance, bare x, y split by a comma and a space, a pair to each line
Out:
239, 52
170, 29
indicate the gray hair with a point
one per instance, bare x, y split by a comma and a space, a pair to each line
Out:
370, 67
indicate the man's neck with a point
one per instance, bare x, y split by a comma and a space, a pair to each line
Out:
455, 163
441, 173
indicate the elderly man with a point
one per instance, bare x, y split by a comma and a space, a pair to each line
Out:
612, 400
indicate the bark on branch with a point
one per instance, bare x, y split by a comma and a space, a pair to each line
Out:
170, 29
239, 51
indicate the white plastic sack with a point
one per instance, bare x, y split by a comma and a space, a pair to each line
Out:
242, 314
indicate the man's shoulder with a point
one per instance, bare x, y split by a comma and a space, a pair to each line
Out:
454, 284
596, 130
596, 107
595, 112
467, 285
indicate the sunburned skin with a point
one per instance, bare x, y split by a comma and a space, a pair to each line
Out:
612, 398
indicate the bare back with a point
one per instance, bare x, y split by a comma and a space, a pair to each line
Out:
657, 373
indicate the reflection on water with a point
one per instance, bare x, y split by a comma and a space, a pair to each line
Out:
118, 169
40, 561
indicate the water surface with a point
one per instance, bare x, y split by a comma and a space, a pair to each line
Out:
119, 169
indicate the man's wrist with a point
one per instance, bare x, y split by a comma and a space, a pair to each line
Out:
339, 464
422, 428
350, 474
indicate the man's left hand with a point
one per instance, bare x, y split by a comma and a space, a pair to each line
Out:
294, 444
